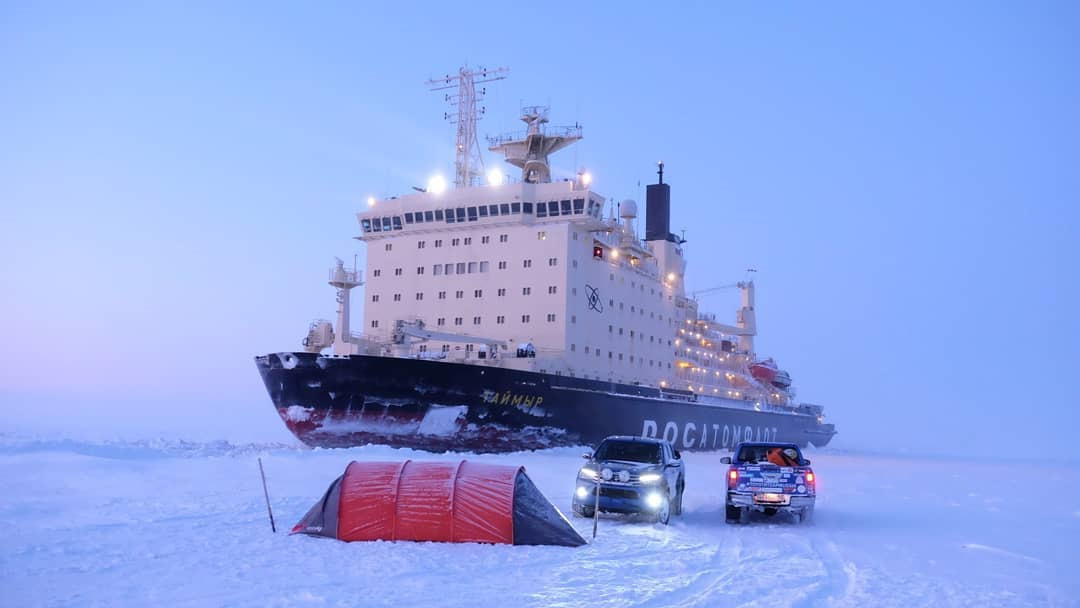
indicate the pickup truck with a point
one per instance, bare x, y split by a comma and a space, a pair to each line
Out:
632, 475
769, 477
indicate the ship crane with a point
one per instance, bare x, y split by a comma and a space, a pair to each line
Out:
415, 329
745, 327
709, 290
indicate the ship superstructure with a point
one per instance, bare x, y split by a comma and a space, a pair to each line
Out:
542, 283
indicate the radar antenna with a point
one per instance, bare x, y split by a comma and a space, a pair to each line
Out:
469, 165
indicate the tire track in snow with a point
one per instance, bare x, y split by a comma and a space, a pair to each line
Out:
725, 565
839, 581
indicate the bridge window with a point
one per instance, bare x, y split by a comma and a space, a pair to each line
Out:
527, 208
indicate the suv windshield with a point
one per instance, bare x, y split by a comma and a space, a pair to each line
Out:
629, 451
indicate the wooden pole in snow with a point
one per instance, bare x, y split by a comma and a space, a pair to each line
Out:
266, 495
596, 509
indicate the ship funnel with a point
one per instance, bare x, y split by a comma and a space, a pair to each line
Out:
658, 210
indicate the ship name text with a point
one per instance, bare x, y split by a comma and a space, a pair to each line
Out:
511, 398
706, 436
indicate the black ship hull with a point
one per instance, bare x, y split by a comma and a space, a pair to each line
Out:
329, 401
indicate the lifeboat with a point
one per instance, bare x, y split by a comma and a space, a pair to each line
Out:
765, 371
782, 380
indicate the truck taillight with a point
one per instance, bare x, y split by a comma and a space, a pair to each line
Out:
732, 478
810, 477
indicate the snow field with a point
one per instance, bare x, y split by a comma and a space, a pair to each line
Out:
184, 524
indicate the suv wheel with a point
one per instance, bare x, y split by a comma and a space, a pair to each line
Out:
663, 514
676, 509
731, 513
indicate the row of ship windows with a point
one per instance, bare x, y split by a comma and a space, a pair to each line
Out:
614, 355
467, 240
527, 291
611, 355
477, 293
454, 242
474, 213
499, 320
463, 267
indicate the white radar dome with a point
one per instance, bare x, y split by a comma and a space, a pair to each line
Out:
628, 209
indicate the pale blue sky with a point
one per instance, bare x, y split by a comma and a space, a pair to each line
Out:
175, 178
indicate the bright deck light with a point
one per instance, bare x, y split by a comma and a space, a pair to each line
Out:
371, 201
586, 178
436, 185
495, 177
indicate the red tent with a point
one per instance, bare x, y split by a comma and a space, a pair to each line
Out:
437, 501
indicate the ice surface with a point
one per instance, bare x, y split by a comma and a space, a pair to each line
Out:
179, 523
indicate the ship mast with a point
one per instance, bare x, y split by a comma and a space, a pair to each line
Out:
343, 281
469, 165
530, 150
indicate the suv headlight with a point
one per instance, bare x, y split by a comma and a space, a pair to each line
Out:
587, 473
649, 477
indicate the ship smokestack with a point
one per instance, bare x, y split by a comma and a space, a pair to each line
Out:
658, 210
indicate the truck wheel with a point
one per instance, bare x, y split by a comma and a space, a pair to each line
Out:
744, 515
583, 511
676, 509
806, 515
731, 513
663, 514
